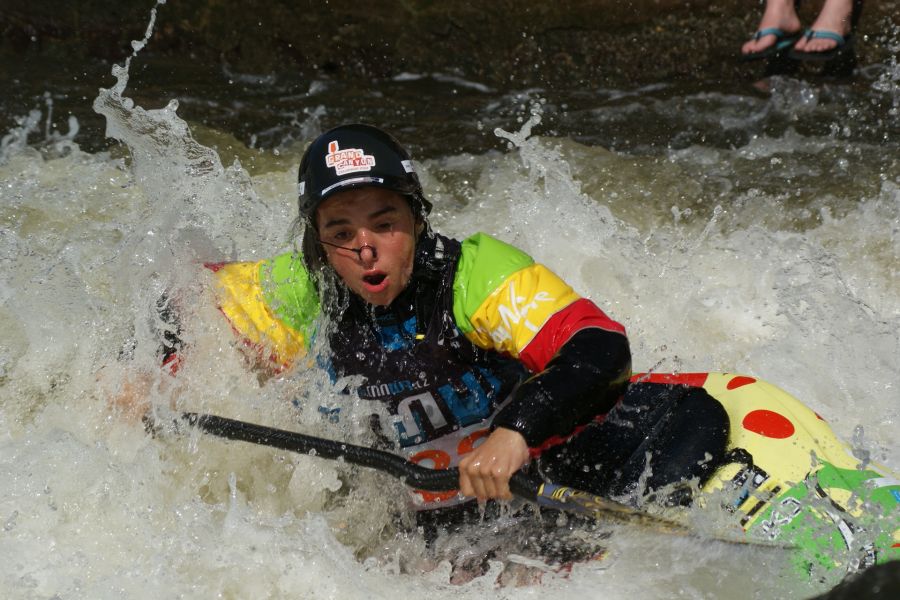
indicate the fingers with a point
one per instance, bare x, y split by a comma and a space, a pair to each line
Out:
486, 471
131, 401
488, 479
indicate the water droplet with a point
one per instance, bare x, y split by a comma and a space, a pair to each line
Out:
11, 521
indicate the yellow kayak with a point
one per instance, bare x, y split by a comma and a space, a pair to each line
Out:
790, 480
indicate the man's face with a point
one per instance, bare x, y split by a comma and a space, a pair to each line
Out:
381, 223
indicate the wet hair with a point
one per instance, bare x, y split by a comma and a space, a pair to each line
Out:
314, 257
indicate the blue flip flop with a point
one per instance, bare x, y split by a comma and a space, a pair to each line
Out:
783, 41
843, 43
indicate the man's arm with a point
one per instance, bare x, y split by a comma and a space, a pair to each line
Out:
584, 380
579, 356
131, 399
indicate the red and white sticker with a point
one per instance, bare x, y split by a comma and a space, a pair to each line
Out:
350, 160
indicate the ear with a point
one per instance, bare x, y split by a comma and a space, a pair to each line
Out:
420, 226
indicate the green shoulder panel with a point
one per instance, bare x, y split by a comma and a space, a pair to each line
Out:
484, 264
289, 291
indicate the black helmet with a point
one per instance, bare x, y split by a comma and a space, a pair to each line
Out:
352, 156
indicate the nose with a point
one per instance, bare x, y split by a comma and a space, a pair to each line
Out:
367, 254
366, 251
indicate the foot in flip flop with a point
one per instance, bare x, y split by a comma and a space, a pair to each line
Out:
830, 51
778, 29
782, 40
829, 35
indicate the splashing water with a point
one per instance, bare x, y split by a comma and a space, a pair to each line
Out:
707, 271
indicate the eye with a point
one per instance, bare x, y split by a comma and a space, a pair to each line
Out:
385, 226
341, 236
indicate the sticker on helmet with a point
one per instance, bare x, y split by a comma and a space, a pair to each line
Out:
350, 160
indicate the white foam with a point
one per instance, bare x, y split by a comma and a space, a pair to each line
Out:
93, 507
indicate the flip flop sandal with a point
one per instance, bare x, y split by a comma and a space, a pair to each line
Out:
783, 41
843, 44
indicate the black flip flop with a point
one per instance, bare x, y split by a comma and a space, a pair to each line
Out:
844, 43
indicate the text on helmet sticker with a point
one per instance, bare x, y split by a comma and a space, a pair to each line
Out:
351, 160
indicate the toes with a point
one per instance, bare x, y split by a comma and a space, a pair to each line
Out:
816, 45
759, 45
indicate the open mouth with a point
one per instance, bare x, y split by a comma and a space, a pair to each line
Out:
374, 279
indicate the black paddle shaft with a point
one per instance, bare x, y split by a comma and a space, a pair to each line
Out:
422, 478
432, 480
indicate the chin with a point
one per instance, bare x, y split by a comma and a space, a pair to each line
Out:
376, 299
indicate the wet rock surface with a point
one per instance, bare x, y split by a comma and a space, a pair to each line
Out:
502, 43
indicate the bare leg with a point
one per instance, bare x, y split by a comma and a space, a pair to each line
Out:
835, 17
780, 14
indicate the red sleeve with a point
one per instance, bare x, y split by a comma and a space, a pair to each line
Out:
579, 315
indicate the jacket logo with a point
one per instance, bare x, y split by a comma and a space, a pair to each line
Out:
517, 312
426, 406
351, 160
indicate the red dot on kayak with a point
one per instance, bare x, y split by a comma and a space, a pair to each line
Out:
737, 382
768, 424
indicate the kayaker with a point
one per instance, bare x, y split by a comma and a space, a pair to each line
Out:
482, 357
